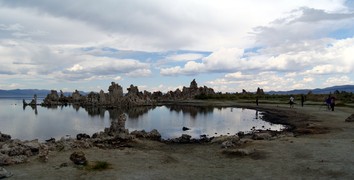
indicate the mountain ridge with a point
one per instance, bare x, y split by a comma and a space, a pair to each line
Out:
327, 90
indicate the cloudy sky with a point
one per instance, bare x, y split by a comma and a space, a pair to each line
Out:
228, 45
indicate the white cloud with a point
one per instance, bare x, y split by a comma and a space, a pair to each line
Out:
76, 67
185, 57
222, 60
139, 73
338, 80
299, 42
239, 75
308, 79
63, 62
303, 24
117, 78
155, 24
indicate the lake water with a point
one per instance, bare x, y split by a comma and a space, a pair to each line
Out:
43, 123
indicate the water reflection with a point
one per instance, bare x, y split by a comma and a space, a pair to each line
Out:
193, 111
34, 108
56, 121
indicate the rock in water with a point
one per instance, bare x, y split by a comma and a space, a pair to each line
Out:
185, 128
78, 158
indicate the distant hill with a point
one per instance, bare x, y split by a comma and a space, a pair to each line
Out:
23, 93
28, 93
346, 88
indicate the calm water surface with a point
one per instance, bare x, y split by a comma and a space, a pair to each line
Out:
43, 123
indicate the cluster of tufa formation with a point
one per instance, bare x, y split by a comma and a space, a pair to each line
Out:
115, 97
188, 92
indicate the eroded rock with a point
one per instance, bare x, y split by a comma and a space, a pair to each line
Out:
4, 137
78, 158
43, 152
5, 160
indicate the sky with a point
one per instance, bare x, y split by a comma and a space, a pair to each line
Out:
160, 45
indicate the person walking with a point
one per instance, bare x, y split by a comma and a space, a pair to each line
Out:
333, 102
291, 102
302, 100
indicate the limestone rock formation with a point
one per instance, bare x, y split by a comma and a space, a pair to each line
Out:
115, 93
52, 98
116, 98
260, 91
188, 92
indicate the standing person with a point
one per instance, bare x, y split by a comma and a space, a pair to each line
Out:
257, 100
328, 102
333, 102
291, 102
302, 100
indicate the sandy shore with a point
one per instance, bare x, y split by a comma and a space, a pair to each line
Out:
322, 148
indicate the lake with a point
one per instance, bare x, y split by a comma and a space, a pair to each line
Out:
43, 123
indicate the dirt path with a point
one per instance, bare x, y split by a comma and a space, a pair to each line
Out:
310, 156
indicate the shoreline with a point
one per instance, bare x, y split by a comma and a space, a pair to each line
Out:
319, 148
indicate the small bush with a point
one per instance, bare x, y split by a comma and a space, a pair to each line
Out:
97, 166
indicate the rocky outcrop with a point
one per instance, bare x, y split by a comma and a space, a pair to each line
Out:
16, 151
187, 92
260, 91
116, 98
4, 137
54, 99
152, 135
